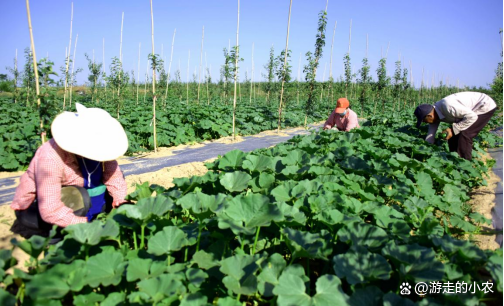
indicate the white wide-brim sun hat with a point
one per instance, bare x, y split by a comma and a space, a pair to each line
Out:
91, 133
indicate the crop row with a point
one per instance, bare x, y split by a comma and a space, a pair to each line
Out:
176, 124
325, 219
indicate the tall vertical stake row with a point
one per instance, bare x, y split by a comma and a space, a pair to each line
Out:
35, 68
153, 81
236, 69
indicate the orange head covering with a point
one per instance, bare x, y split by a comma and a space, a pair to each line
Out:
342, 105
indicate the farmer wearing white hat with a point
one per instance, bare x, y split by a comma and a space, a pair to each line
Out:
81, 154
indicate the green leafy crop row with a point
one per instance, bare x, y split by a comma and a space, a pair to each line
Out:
325, 219
176, 124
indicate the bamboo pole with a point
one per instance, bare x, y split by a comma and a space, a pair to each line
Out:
207, 74
94, 75
330, 63
120, 62
35, 68
350, 37
323, 80
187, 78
16, 77
68, 58
146, 80
236, 70
120, 43
284, 66
169, 67
73, 66
138, 73
103, 60
201, 62
153, 82
252, 77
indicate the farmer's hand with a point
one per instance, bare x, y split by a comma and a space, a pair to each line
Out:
449, 133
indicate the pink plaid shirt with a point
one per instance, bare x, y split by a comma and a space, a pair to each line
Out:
50, 169
345, 123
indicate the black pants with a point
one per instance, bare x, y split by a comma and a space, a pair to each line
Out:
463, 141
29, 222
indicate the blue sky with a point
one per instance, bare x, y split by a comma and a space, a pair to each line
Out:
455, 39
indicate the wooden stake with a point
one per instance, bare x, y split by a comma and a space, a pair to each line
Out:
153, 82
68, 59
332, 47
169, 66
37, 89
187, 78
146, 79
71, 74
103, 60
120, 43
16, 77
285, 64
201, 61
138, 73
252, 77
207, 91
350, 37
236, 69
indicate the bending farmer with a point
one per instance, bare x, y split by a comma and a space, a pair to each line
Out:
343, 117
82, 155
468, 111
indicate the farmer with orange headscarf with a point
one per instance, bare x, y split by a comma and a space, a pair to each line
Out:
342, 117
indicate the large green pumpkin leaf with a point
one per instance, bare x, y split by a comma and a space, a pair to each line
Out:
244, 213
367, 296
202, 205
92, 233
424, 184
232, 160
114, 299
363, 234
48, 285
258, 163
105, 268
415, 262
282, 192
195, 299
235, 181
33, 246
359, 266
270, 272
240, 271
308, 245
291, 290
494, 266
138, 268
147, 207
91, 298
167, 241
162, 286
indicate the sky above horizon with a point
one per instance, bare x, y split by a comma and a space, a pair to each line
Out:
456, 40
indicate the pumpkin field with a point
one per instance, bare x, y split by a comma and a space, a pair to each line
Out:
372, 216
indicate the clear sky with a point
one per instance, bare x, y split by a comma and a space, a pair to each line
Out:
455, 39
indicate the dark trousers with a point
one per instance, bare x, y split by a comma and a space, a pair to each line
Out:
463, 141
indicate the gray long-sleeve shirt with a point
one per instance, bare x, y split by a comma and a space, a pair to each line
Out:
461, 109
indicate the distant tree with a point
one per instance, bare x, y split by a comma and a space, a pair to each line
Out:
95, 72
